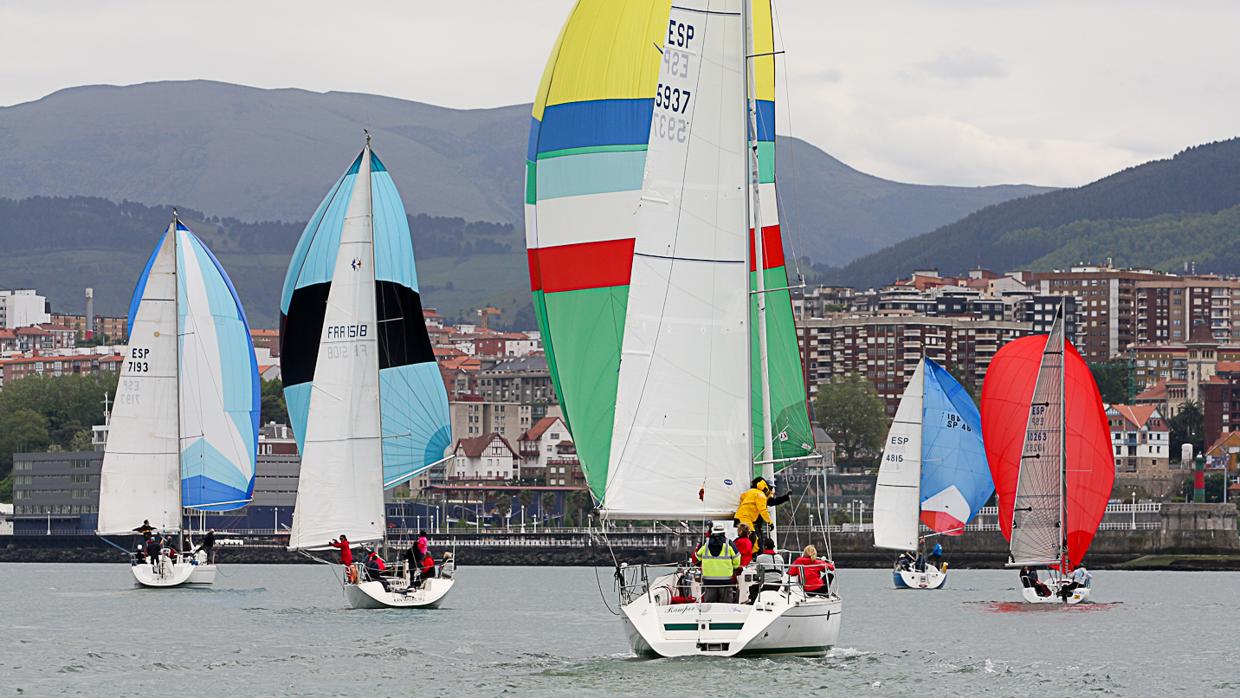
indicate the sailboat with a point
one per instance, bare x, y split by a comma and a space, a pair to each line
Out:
184, 428
933, 472
365, 397
1049, 449
669, 333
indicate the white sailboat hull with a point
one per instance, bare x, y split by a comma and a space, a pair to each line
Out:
932, 578
784, 622
373, 595
168, 574
1076, 596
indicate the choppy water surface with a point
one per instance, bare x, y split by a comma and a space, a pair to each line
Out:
284, 630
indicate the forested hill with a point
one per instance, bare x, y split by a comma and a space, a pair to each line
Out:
1160, 214
60, 245
260, 154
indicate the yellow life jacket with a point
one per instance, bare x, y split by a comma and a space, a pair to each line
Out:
718, 566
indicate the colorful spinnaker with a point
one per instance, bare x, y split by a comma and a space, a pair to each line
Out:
587, 213
184, 428
1049, 448
934, 469
365, 396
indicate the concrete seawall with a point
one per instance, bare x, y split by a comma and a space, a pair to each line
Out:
1192, 537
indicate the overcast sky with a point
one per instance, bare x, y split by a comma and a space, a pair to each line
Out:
938, 91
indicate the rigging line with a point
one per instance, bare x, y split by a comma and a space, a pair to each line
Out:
667, 290
331, 201
777, 24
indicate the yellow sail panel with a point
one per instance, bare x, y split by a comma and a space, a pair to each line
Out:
603, 40
763, 49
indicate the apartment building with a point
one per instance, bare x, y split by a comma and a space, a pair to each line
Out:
1140, 438
1106, 305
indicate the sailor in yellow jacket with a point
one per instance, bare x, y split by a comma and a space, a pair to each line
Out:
720, 562
754, 508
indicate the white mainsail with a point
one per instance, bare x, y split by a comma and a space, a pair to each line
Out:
682, 418
1037, 526
340, 489
897, 496
141, 474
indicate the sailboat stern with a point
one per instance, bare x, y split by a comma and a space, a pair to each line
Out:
779, 622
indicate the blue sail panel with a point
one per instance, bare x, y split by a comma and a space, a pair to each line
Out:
955, 477
220, 389
416, 427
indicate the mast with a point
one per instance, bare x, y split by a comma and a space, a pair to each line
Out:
366, 155
754, 221
176, 319
1063, 440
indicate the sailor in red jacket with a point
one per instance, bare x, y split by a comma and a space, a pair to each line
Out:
811, 568
428, 565
744, 544
346, 552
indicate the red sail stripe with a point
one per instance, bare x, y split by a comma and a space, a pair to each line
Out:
581, 265
772, 248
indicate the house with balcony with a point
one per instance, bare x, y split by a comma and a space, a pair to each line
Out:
485, 457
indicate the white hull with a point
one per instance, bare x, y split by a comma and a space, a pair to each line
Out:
169, 574
932, 578
780, 622
373, 595
1078, 595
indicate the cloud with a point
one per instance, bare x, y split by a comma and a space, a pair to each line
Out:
964, 65
831, 75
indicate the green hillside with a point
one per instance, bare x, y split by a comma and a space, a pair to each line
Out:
1161, 214
62, 245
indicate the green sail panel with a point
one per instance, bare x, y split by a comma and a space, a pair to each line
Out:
790, 426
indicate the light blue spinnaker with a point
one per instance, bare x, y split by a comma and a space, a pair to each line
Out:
219, 385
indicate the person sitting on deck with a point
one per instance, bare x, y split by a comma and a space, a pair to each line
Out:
770, 569
345, 548
1029, 579
428, 566
375, 567
207, 544
936, 555
1080, 578
152, 550
812, 570
139, 554
905, 561
719, 561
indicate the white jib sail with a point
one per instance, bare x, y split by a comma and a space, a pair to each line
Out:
141, 475
897, 496
682, 408
1036, 528
340, 489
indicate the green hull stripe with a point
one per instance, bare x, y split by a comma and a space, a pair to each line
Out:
726, 626
680, 626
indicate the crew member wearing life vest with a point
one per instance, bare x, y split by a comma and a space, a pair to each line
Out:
754, 509
719, 560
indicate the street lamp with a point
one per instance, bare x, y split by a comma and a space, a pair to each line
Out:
1134, 510
275, 521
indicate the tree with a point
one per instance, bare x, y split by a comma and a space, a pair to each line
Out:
1188, 426
21, 430
82, 441
272, 407
850, 411
1114, 379
546, 505
69, 403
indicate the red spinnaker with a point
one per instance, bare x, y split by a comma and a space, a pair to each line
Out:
1006, 394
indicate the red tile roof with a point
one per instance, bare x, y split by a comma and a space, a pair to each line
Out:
536, 431
475, 447
1137, 415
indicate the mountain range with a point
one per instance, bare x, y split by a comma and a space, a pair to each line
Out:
270, 154
1163, 214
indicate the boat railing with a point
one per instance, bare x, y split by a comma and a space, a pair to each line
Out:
634, 580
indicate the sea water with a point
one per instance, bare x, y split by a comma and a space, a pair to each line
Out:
80, 629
